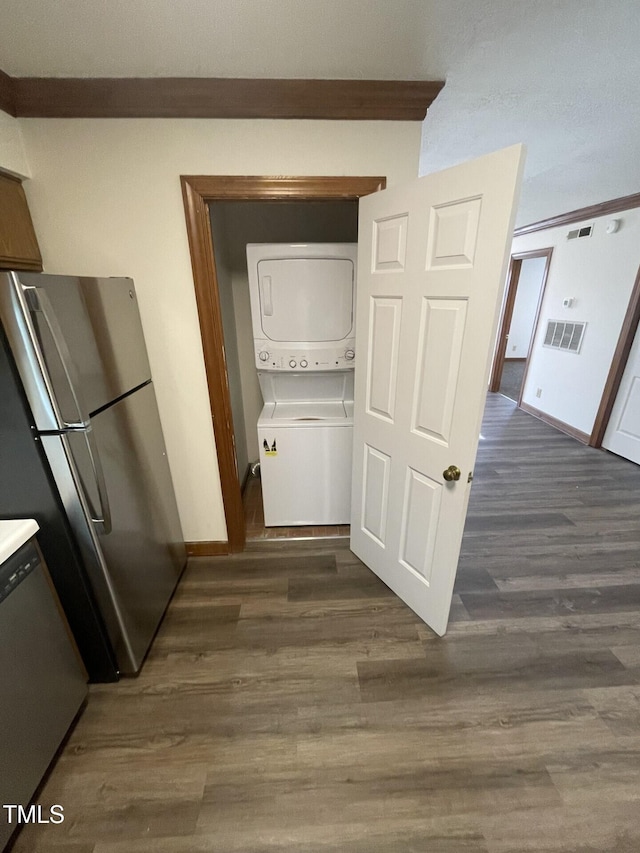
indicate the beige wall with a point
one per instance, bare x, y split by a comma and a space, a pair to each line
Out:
105, 199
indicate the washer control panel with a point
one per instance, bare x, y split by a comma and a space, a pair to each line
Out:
269, 357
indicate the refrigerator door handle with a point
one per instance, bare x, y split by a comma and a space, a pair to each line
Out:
38, 300
102, 518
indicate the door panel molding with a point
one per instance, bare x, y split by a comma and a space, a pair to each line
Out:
197, 192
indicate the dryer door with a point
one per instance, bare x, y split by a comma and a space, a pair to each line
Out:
306, 300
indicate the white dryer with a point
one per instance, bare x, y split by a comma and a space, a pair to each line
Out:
303, 305
303, 316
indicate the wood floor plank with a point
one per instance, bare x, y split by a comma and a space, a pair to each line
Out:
270, 564
618, 708
213, 591
596, 774
349, 792
609, 828
518, 521
474, 580
398, 836
542, 602
621, 577
384, 680
340, 588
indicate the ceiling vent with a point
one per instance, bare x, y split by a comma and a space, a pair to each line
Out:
583, 231
566, 336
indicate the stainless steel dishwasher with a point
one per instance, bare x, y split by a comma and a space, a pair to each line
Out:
42, 685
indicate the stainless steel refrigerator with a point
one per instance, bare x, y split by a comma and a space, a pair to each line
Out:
79, 356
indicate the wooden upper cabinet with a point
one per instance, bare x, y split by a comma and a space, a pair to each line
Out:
18, 244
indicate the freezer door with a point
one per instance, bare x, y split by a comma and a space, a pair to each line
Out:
89, 339
122, 508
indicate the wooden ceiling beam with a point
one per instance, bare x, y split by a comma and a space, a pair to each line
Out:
203, 97
7, 94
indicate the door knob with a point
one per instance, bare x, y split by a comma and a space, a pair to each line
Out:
451, 473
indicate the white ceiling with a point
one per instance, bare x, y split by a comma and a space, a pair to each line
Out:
561, 75
219, 38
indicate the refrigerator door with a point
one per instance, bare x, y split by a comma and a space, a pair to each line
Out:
70, 461
128, 525
82, 334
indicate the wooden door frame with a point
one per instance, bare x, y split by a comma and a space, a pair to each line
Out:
513, 279
198, 191
618, 365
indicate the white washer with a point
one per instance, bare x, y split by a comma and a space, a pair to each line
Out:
305, 463
305, 450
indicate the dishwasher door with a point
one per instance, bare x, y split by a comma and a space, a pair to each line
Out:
41, 683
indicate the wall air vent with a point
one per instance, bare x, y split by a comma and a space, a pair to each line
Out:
566, 336
583, 231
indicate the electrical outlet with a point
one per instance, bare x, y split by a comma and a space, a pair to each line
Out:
538, 392
514, 348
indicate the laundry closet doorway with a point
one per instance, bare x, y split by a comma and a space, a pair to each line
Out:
223, 214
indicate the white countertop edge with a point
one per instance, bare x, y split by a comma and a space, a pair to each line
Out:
14, 533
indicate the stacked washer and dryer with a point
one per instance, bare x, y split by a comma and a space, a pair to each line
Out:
303, 317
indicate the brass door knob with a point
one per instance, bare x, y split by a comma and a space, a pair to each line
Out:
451, 473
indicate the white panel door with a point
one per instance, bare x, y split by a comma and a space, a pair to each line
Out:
623, 430
431, 272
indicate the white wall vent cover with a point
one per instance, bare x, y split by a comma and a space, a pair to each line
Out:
584, 231
566, 336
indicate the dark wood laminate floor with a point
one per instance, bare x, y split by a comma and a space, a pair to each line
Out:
292, 703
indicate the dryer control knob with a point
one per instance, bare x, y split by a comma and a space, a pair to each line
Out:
292, 363
263, 355
350, 354
304, 363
